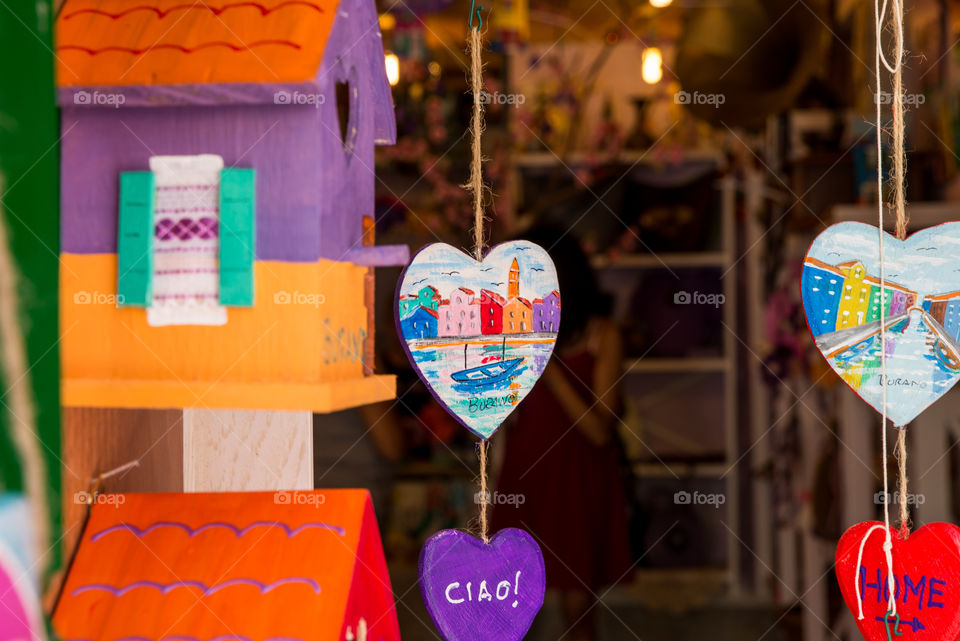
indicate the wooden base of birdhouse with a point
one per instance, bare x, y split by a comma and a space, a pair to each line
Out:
317, 397
303, 345
181, 451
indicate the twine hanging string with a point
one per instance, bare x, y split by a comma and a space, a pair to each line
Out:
902, 484
21, 406
475, 184
900, 211
477, 188
483, 446
899, 203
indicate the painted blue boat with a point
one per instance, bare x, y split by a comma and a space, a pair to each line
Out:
487, 374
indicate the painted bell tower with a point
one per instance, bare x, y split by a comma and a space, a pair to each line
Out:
513, 290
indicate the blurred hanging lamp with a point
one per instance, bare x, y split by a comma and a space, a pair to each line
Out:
757, 54
392, 64
651, 65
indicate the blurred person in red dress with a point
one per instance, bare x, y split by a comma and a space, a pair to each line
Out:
562, 452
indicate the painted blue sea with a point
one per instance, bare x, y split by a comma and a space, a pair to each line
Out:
482, 407
920, 365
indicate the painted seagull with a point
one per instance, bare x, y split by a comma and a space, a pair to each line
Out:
487, 269
536, 269
450, 273
495, 284
419, 281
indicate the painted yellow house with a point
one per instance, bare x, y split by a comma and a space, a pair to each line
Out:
855, 296
517, 316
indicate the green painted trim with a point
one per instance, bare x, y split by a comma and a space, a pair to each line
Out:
135, 239
238, 236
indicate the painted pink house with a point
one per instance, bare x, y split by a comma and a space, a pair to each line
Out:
460, 315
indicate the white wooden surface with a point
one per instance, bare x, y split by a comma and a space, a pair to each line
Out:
928, 459
247, 450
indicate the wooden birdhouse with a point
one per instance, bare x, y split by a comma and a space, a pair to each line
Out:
217, 244
305, 566
216, 168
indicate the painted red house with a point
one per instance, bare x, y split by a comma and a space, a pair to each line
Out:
491, 312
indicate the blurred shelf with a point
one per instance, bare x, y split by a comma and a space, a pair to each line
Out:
652, 365
535, 159
684, 469
426, 470
666, 259
922, 214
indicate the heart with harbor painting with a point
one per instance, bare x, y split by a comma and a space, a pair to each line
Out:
919, 304
479, 334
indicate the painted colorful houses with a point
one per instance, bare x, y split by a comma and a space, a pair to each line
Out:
903, 299
491, 312
844, 296
420, 323
517, 316
951, 318
427, 296
945, 309
546, 312
460, 315
855, 295
424, 314
897, 299
822, 284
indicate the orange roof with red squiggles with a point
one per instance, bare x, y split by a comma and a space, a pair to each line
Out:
159, 42
298, 565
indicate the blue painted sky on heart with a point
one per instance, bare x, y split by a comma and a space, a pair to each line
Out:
433, 266
928, 262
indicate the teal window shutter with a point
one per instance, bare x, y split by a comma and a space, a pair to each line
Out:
238, 236
135, 239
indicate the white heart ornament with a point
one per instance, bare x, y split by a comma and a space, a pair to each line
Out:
920, 303
479, 334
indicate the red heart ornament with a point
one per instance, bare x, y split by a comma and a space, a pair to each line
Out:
926, 571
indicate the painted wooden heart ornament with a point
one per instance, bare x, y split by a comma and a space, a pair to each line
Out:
926, 570
482, 592
842, 300
479, 333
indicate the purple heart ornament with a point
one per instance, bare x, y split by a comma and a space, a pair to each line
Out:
482, 592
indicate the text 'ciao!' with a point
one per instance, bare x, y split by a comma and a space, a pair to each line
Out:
457, 593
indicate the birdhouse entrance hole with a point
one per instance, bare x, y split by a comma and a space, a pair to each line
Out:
347, 106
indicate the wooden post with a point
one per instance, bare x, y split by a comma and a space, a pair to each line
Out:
247, 450
181, 451
97, 440
369, 299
